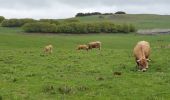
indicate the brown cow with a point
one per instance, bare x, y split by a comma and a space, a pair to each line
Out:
96, 44
48, 49
141, 53
83, 47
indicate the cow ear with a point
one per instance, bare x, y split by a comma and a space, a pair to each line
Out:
148, 60
138, 60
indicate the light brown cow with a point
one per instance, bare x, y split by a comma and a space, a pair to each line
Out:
48, 49
96, 44
83, 47
141, 53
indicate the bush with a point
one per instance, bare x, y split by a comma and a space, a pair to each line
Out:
93, 27
108, 27
125, 28
16, 22
120, 12
132, 28
43, 27
51, 21
71, 28
1, 19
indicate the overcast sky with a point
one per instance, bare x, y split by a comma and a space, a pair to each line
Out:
68, 8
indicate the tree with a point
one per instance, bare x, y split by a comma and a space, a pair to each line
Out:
120, 12
2, 18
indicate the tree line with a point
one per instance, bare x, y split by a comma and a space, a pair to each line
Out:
98, 13
79, 27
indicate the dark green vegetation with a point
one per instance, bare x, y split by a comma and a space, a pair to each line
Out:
26, 73
16, 22
78, 27
97, 13
1, 18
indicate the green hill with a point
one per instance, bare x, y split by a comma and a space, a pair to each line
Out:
142, 21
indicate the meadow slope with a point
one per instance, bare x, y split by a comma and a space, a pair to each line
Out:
141, 21
27, 74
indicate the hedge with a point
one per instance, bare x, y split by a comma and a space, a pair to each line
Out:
2, 18
51, 21
79, 27
42, 27
16, 22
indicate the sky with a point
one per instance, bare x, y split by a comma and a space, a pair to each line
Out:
59, 9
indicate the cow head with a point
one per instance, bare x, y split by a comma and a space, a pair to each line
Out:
143, 64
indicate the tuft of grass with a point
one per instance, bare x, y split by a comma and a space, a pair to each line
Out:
65, 89
49, 89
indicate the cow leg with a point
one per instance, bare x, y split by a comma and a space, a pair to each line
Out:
99, 48
148, 61
137, 65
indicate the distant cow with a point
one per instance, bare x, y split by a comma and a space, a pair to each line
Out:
141, 53
96, 44
48, 49
83, 47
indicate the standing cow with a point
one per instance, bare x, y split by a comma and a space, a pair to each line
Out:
96, 44
141, 53
48, 49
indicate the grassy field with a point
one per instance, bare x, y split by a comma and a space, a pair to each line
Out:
27, 74
142, 21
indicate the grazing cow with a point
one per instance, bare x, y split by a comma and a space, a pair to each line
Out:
48, 49
96, 44
141, 53
83, 47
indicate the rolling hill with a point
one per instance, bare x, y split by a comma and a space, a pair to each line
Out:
142, 21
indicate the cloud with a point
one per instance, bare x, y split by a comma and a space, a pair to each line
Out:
68, 8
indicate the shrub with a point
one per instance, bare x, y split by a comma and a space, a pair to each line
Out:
43, 27
93, 28
2, 18
132, 28
16, 22
125, 28
72, 28
65, 89
51, 21
108, 27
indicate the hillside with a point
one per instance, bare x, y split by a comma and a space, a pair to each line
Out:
142, 21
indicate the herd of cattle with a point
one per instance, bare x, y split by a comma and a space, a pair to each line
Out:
141, 52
